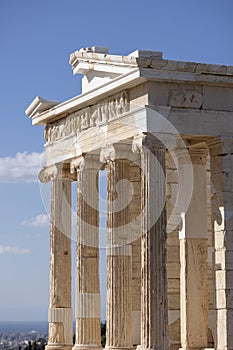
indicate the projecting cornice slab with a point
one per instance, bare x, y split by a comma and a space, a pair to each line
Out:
88, 59
39, 105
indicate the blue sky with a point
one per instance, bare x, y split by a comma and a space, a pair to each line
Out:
36, 39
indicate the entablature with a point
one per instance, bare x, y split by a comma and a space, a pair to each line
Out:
166, 123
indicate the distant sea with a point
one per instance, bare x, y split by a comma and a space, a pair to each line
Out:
24, 327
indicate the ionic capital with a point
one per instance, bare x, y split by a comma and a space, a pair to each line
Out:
55, 172
148, 141
107, 154
83, 163
47, 174
77, 164
120, 151
137, 144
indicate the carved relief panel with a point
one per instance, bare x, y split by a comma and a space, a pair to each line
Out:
185, 99
89, 117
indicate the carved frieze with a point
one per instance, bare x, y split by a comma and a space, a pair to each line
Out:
185, 99
96, 115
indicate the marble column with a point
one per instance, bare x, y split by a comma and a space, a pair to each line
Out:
135, 224
193, 251
60, 310
119, 256
221, 166
154, 319
87, 309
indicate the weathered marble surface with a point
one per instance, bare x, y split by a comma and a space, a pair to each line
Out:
156, 276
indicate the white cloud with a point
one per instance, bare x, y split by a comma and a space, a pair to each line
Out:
13, 250
23, 167
38, 221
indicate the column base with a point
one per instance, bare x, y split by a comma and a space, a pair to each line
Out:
196, 348
118, 348
58, 347
87, 347
139, 347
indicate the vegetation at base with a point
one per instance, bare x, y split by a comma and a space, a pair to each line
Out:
103, 334
35, 345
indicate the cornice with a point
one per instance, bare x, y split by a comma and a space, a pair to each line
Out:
38, 106
90, 56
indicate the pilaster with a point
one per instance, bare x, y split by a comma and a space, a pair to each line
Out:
87, 309
60, 309
173, 251
221, 167
154, 318
193, 252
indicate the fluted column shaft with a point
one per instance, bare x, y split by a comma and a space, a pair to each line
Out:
193, 252
119, 265
60, 310
87, 263
221, 166
154, 320
134, 217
